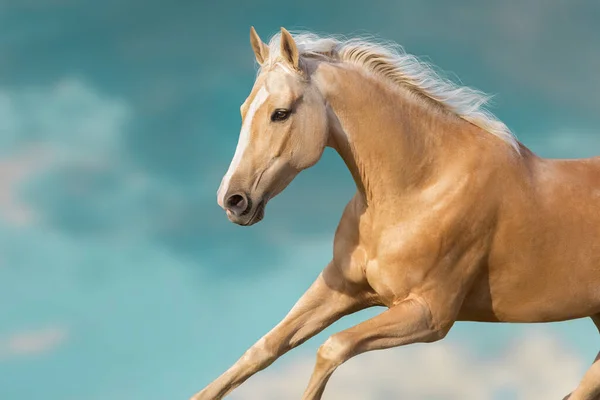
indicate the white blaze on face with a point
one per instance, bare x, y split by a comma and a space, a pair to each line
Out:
243, 142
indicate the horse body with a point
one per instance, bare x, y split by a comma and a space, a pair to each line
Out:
544, 264
449, 222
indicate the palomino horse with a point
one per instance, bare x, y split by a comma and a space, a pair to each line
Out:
453, 218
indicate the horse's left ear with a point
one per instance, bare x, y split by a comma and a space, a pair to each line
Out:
289, 50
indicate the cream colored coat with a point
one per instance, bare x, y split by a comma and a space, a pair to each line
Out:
453, 219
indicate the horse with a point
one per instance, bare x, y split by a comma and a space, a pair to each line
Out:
453, 219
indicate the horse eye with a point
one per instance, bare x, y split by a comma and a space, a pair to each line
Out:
280, 115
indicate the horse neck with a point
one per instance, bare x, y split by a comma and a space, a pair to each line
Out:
390, 141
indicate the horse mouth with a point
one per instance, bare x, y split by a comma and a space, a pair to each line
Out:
258, 215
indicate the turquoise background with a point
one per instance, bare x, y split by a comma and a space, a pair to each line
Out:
120, 277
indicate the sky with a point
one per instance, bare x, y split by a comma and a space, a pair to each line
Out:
121, 278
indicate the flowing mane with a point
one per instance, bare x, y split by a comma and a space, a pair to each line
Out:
390, 61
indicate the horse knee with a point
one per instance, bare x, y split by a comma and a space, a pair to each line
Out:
336, 350
262, 352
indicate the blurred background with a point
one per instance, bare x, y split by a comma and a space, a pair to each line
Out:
121, 278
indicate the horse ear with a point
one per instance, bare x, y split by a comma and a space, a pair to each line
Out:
261, 50
289, 50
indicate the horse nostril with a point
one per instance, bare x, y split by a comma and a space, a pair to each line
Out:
235, 201
237, 204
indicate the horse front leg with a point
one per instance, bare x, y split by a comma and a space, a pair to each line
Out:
589, 387
328, 299
408, 322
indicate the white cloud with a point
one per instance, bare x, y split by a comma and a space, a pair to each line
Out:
14, 170
535, 367
69, 115
67, 124
32, 342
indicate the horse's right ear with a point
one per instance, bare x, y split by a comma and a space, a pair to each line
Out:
261, 50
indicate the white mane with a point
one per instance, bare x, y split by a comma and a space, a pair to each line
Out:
390, 61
